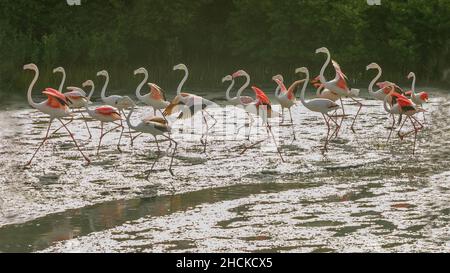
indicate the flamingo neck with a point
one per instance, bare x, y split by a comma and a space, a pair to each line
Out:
324, 67
129, 119
413, 88
247, 83
229, 90
139, 88
63, 81
305, 84
105, 86
180, 86
386, 107
30, 88
91, 93
374, 81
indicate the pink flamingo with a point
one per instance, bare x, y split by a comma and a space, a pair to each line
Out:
418, 98
404, 106
262, 108
56, 106
104, 114
189, 105
240, 101
286, 97
154, 126
339, 85
319, 105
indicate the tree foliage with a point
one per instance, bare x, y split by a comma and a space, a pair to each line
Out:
215, 37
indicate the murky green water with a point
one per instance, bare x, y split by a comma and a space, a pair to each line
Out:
363, 195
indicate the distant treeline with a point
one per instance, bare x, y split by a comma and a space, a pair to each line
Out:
217, 37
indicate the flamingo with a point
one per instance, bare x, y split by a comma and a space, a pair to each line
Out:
319, 105
104, 114
339, 85
63, 79
286, 97
116, 101
154, 126
189, 105
418, 98
402, 105
156, 98
262, 108
322, 92
77, 98
56, 106
240, 100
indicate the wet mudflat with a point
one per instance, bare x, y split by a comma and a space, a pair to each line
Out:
363, 195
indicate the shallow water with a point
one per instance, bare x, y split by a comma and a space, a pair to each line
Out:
362, 195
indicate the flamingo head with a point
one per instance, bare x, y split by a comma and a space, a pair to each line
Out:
411, 75
180, 67
278, 77
373, 66
424, 96
59, 70
303, 70
323, 50
239, 73
140, 71
227, 78
30, 67
88, 83
103, 73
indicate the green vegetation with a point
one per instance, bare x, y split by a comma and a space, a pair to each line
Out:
217, 37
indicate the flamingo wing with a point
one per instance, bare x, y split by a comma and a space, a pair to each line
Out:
342, 82
157, 92
293, 89
261, 96
107, 110
281, 85
56, 96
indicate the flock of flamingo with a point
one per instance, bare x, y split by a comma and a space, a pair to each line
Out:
61, 105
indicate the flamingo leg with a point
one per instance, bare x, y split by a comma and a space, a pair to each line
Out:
138, 135
342, 120
392, 128
292, 122
416, 129
129, 130
253, 145
173, 153
103, 135
42, 143
357, 114
121, 134
57, 130
282, 114
269, 128
153, 165
75, 142
249, 123
328, 133
400, 131
87, 126
157, 144
204, 138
